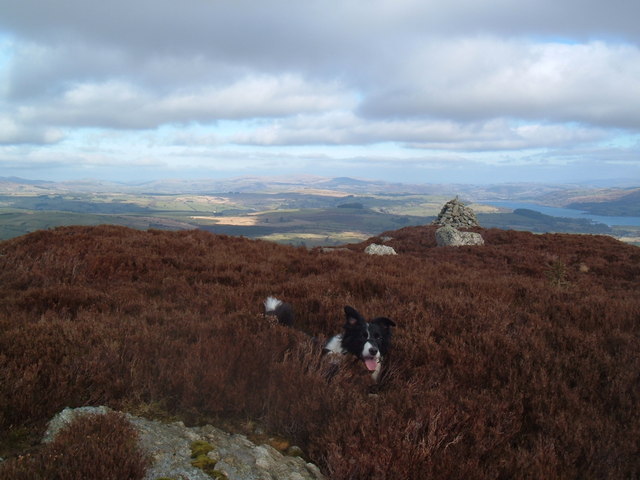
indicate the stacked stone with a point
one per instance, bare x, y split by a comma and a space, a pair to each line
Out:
456, 214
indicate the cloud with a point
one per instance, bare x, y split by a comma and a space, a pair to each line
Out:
457, 78
13, 133
462, 80
232, 27
117, 104
345, 128
474, 78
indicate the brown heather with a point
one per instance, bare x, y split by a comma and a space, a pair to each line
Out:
510, 361
91, 447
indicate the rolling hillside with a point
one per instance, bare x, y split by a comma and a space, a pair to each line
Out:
623, 204
514, 360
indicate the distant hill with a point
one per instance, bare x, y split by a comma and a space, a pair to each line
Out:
264, 184
300, 210
352, 183
624, 205
548, 194
18, 180
19, 185
517, 359
533, 221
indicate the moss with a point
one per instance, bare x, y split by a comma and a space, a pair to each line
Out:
154, 410
199, 451
200, 447
204, 463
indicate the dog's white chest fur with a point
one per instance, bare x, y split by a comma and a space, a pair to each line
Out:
336, 351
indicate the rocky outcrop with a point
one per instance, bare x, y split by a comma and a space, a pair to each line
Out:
448, 236
375, 249
200, 453
456, 214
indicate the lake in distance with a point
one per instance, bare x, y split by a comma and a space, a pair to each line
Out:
568, 213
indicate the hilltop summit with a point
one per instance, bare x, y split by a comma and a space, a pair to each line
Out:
518, 359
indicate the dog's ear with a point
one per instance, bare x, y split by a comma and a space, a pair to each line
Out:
353, 317
384, 321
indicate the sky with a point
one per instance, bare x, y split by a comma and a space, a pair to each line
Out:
414, 91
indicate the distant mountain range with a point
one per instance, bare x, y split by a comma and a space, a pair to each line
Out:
594, 200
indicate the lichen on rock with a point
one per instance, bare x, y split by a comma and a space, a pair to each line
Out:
448, 236
375, 249
200, 453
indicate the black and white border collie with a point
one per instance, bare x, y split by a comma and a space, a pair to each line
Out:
368, 341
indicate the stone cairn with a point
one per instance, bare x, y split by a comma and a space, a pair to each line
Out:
448, 236
457, 215
454, 215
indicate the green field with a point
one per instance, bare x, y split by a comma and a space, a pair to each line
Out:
311, 219
299, 218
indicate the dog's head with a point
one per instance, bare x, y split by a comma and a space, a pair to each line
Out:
369, 341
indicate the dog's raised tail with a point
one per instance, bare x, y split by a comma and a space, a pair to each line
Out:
281, 310
270, 305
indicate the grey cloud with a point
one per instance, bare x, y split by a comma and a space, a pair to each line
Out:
396, 56
266, 35
115, 104
462, 74
14, 133
325, 37
348, 129
41, 72
237, 25
567, 19
486, 78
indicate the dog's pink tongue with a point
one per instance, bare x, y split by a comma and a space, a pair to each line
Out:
371, 363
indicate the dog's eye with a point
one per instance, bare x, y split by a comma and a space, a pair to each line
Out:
376, 336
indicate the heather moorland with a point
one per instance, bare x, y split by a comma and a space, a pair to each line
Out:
517, 359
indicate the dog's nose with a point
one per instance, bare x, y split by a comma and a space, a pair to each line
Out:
373, 351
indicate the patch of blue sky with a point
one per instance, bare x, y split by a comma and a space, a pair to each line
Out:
6, 55
624, 140
555, 39
582, 39
6, 48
